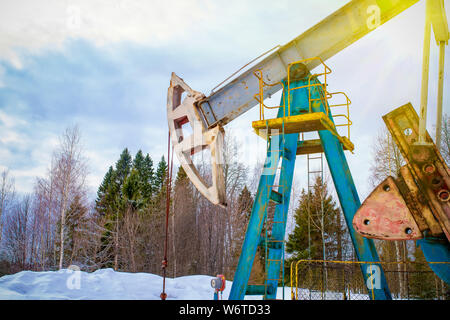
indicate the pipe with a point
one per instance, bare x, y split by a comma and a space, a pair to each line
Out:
425, 74
440, 94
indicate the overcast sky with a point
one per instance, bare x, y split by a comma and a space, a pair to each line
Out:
106, 65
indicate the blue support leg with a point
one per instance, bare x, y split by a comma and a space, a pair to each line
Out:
254, 228
275, 255
437, 250
350, 203
259, 213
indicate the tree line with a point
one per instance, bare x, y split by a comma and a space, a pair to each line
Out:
57, 225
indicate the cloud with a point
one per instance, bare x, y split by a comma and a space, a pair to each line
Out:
36, 25
106, 65
116, 95
222, 26
9, 121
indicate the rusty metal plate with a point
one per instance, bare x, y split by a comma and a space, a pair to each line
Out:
425, 162
385, 215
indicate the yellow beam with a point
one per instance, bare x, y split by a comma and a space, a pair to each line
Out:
325, 39
440, 94
439, 21
425, 75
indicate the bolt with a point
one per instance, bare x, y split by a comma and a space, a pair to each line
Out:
444, 195
429, 168
436, 182
407, 132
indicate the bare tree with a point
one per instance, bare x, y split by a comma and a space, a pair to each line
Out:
6, 196
183, 228
235, 173
17, 232
69, 174
51, 225
46, 207
386, 158
445, 138
387, 161
129, 237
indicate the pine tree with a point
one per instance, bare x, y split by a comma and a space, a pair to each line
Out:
245, 202
76, 217
112, 204
160, 175
422, 279
146, 178
131, 190
123, 167
115, 197
138, 162
181, 176
101, 203
319, 206
298, 241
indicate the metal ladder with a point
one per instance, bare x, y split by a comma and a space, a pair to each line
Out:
277, 221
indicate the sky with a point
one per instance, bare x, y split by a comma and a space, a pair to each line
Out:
106, 66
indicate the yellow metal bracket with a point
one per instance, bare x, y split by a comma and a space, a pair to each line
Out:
313, 121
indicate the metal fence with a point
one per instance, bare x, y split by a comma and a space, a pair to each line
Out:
343, 280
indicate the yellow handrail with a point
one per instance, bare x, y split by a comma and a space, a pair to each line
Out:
324, 94
260, 94
327, 70
306, 261
347, 104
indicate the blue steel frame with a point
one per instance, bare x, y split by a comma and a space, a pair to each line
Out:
345, 188
437, 250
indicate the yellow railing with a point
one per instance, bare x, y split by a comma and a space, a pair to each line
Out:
324, 94
347, 104
260, 95
310, 85
318, 284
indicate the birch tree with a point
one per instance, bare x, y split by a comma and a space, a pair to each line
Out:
445, 138
386, 158
44, 191
17, 232
6, 196
70, 173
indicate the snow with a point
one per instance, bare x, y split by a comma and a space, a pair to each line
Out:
107, 284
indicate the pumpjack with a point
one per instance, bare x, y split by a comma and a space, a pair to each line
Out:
305, 107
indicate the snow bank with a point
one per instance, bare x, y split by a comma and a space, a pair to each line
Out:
107, 284
102, 284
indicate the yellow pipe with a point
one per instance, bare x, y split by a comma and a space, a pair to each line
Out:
260, 94
425, 73
440, 93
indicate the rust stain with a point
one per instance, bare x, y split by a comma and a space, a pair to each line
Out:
385, 215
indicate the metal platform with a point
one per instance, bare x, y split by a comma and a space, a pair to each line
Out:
316, 121
315, 146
